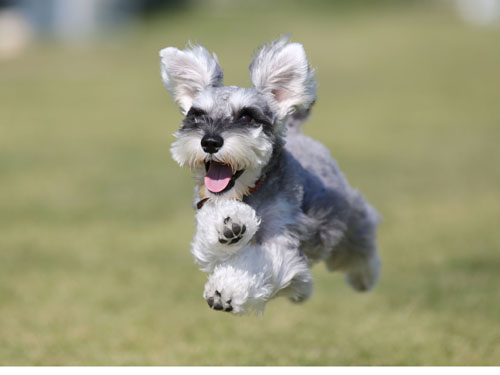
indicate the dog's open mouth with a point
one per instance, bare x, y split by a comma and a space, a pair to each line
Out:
220, 177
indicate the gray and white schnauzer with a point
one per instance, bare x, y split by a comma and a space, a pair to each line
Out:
270, 200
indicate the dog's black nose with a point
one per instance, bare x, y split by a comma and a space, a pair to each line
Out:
211, 143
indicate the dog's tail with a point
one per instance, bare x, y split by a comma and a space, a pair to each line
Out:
296, 119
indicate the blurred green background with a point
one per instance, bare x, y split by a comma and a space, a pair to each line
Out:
96, 218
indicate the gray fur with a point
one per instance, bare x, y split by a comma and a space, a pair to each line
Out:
328, 213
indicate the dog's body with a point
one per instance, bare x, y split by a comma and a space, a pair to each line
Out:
271, 200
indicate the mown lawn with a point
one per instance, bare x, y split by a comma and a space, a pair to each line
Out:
95, 217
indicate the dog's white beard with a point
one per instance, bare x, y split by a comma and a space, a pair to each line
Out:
186, 150
250, 151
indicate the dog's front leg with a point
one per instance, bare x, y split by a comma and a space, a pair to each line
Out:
222, 228
257, 273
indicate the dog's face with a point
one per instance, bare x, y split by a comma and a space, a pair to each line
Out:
228, 133
226, 138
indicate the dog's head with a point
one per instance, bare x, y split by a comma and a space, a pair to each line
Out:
229, 133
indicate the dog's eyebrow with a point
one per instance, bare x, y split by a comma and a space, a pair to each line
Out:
194, 118
255, 113
194, 111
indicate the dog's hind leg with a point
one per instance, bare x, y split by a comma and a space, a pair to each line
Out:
356, 254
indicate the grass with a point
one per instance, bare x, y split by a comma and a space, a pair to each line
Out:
95, 217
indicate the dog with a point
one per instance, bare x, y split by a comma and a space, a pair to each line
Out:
270, 201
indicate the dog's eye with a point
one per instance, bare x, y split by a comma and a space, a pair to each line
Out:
246, 116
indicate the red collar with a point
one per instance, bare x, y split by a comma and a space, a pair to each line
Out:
252, 190
257, 185
200, 204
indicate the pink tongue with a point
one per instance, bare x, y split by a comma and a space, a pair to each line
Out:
218, 177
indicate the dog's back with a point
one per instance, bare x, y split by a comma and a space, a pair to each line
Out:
345, 222
312, 155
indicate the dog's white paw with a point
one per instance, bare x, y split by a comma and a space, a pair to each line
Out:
223, 227
236, 222
365, 275
223, 295
216, 300
231, 233
237, 290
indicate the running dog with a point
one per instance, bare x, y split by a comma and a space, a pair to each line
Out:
270, 200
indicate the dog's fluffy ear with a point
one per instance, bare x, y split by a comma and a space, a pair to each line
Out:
186, 73
281, 72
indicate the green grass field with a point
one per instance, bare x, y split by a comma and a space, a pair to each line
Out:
96, 219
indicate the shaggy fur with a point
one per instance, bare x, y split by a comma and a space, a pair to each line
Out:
271, 200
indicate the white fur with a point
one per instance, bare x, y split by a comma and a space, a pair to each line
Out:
245, 280
186, 73
206, 248
281, 72
255, 274
186, 150
249, 274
